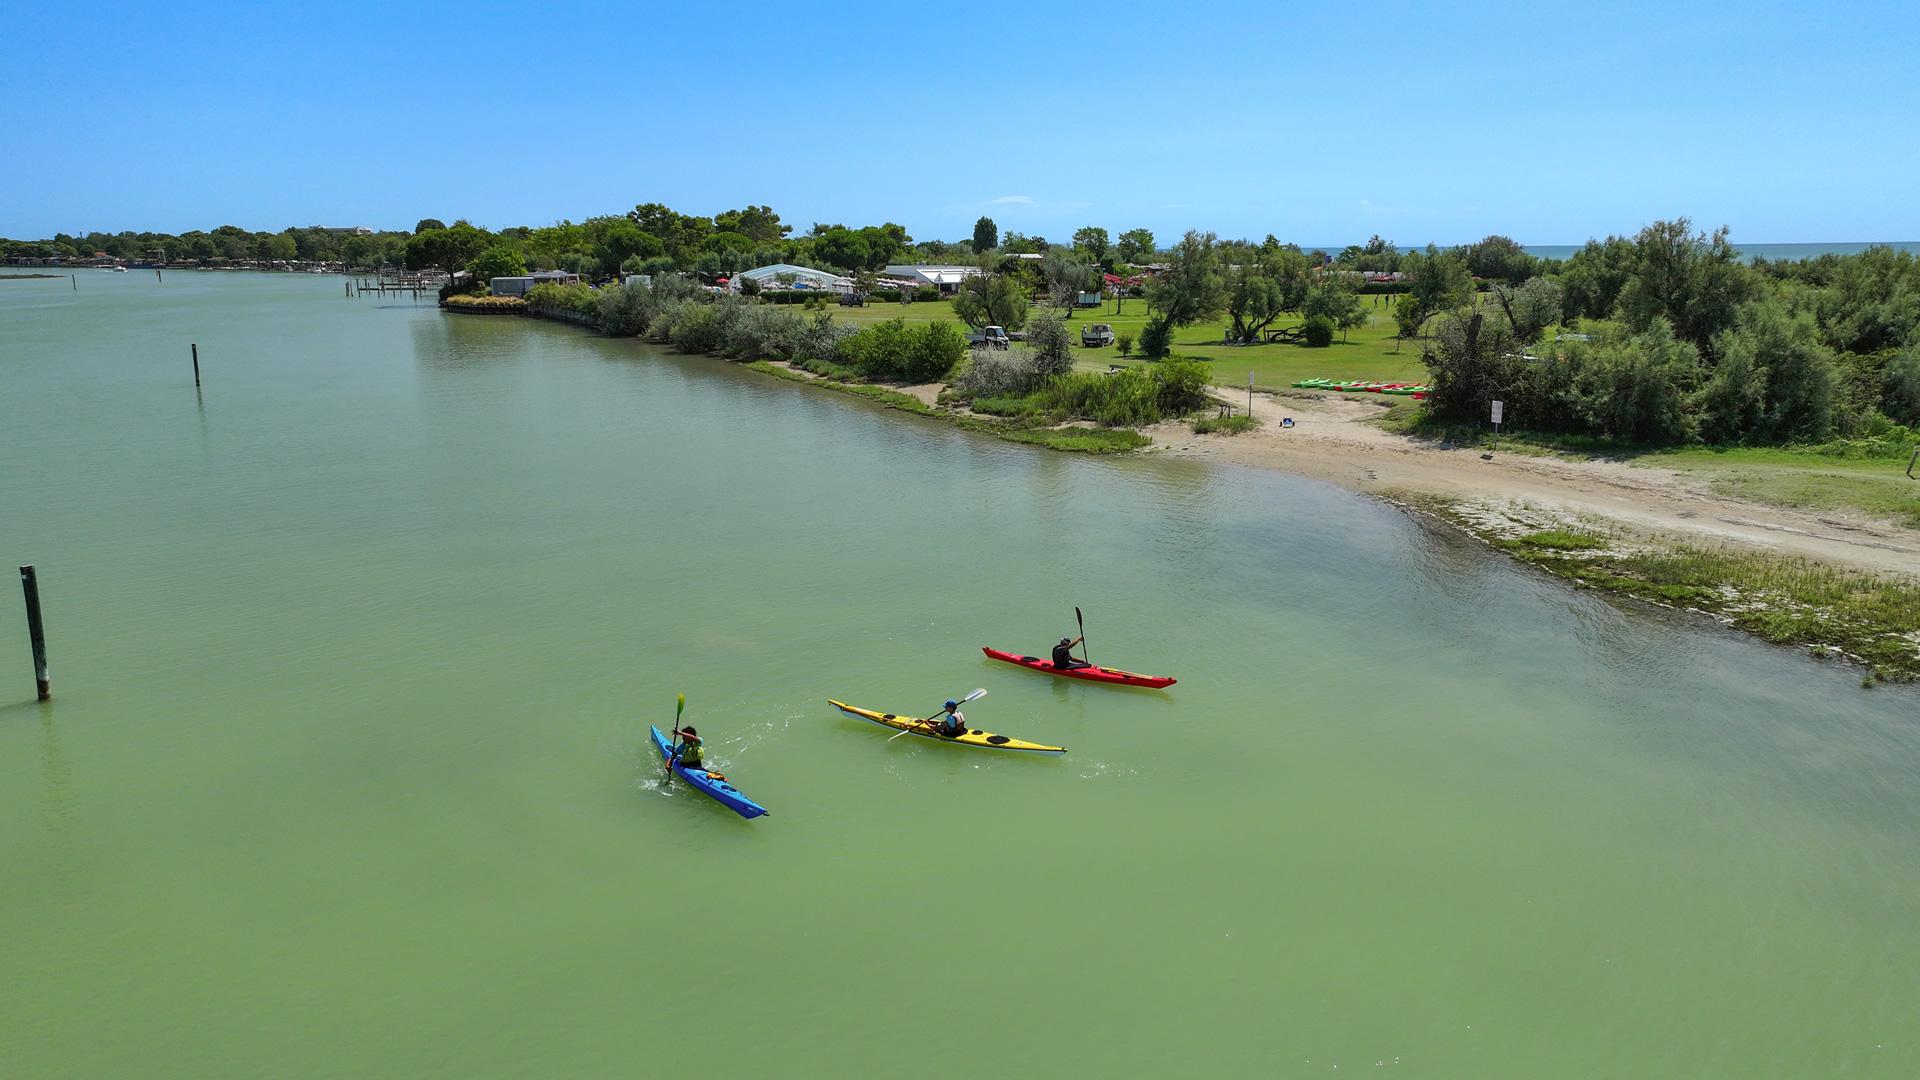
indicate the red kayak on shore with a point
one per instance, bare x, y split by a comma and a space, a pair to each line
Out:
1090, 674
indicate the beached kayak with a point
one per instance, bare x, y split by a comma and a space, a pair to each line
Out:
985, 740
1092, 674
724, 793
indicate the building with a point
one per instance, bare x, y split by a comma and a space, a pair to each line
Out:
946, 278
789, 276
520, 286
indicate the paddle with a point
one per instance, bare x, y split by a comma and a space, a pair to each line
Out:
1083, 634
674, 754
975, 696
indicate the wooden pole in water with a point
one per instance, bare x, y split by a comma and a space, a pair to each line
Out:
36, 632
76, 281
196, 365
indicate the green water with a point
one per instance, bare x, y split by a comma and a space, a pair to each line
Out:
354, 656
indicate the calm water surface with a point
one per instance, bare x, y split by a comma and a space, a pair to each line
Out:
355, 653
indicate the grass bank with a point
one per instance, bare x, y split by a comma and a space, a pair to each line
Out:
1861, 476
1864, 618
1070, 438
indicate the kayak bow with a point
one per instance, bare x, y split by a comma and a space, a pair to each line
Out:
985, 740
722, 792
1113, 676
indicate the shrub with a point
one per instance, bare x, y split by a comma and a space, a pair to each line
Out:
623, 312
1319, 332
1901, 398
1183, 385
1125, 343
893, 350
694, 328
1155, 339
995, 373
1052, 345
575, 299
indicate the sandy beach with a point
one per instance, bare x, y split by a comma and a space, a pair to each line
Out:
1334, 438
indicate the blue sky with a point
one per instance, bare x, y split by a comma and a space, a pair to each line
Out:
1320, 123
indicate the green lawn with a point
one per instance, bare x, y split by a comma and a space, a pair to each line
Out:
1368, 353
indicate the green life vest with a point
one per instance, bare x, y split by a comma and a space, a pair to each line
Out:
691, 755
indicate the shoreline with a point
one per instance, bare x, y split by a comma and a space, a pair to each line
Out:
1630, 528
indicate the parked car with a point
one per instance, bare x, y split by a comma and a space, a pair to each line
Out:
993, 337
853, 299
1096, 335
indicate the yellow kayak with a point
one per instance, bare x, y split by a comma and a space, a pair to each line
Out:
986, 740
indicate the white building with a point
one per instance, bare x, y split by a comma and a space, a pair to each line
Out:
789, 276
947, 278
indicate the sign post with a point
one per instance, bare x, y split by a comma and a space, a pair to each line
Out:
1498, 408
1249, 393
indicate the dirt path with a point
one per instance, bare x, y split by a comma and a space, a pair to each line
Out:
1333, 439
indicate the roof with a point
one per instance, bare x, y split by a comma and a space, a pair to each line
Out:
764, 272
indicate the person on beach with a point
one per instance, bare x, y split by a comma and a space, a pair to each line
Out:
1063, 658
688, 750
951, 722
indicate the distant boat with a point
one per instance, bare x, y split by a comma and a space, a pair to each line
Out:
119, 269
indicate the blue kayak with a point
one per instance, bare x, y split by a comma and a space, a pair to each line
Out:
724, 793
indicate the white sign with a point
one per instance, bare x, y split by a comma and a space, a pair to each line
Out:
1497, 407
1249, 380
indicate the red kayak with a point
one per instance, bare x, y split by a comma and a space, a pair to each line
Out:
1091, 674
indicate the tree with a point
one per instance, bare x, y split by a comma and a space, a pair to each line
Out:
1190, 289
1332, 297
1901, 394
1066, 277
427, 223
1531, 308
1408, 317
842, 248
1437, 279
621, 241
758, 222
281, 246
986, 235
1693, 281
1135, 245
1593, 278
1262, 284
1500, 258
1052, 345
447, 249
990, 298
1778, 380
497, 261
1093, 240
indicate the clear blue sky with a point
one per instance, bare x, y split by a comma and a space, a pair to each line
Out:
1320, 123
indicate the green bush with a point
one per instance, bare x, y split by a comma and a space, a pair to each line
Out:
497, 261
894, 351
1319, 332
1124, 343
576, 299
996, 373
1156, 338
1052, 345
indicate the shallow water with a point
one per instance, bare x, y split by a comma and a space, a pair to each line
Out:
354, 654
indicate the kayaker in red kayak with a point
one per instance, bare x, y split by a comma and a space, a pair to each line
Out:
1063, 658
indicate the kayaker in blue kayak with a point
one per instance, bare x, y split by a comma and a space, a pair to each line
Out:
1063, 658
951, 721
687, 749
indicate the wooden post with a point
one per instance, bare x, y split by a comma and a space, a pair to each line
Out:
196, 365
36, 632
158, 277
76, 281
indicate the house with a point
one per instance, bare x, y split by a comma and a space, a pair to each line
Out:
520, 286
946, 278
789, 276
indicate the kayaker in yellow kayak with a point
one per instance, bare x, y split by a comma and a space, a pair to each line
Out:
687, 749
1063, 658
951, 722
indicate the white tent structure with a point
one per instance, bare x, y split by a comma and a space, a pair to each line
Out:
778, 275
948, 278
